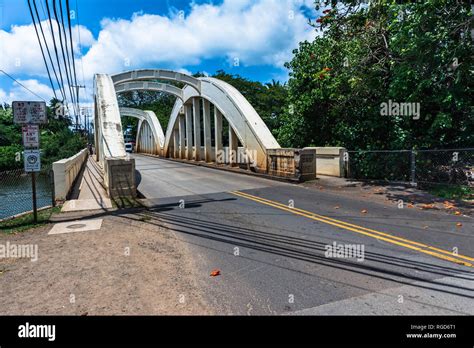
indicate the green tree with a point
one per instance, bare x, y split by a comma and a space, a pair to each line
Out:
57, 140
367, 55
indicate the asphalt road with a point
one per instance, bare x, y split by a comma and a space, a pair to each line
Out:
270, 241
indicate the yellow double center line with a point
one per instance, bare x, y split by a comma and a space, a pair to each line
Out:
406, 243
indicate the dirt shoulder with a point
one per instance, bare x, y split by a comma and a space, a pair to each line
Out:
390, 195
130, 266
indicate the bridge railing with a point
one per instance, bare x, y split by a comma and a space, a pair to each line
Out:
66, 172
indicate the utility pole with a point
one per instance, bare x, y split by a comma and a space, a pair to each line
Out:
77, 98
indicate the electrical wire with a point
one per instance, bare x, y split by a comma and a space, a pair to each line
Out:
62, 50
72, 78
42, 51
61, 88
22, 85
72, 52
56, 50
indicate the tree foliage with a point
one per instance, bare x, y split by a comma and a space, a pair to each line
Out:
418, 52
57, 140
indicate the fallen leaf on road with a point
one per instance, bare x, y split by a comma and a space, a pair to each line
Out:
457, 213
336, 207
410, 205
448, 205
215, 273
427, 206
425, 227
364, 211
459, 224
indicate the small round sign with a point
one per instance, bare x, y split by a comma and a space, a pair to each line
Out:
32, 159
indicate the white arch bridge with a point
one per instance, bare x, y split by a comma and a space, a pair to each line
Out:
204, 107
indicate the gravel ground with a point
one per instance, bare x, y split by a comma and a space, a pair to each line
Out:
128, 267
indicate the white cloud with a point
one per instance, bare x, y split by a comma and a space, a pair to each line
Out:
255, 32
21, 52
17, 92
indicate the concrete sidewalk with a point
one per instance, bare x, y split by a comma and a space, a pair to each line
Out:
89, 192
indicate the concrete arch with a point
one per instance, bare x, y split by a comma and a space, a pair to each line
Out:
150, 86
157, 74
119, 169
183, 134
148, 125
242, 117
109, 137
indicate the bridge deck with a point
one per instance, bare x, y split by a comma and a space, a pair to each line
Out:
89, 193
269, 253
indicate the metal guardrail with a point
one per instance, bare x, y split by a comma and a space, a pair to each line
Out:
16, 192
424, 167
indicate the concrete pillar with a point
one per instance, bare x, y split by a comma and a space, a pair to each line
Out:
97, 137
175, 143
181, 131
197, 128
233, 146
148, 142
137, 140
189, 131
147, 139
145, 143
207, 130
218, 134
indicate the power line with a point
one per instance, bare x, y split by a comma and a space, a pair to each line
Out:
73, 80
61, 89
72, 51
80, 45
62, 50
42, 51
56, 50
29, 90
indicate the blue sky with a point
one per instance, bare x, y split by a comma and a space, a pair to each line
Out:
252, 38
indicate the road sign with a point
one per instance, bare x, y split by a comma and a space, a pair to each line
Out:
26, 112
32, 160
30, 135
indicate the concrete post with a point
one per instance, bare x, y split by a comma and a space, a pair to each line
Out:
197, 128
175, 143
148, 145
137, 140
207, 130
218, 134
145, 137
233, 147
189, 132
181, 131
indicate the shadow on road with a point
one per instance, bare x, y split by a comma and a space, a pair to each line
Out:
161, 215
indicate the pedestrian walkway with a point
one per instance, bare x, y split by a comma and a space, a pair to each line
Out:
89, 192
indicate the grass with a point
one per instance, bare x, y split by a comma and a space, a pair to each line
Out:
25, 222
126, 202
452, 192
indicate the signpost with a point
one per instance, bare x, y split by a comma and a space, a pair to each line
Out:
30, 136
32, 161
25, 112
30, 114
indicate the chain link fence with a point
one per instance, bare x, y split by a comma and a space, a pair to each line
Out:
16, 191
421, 167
